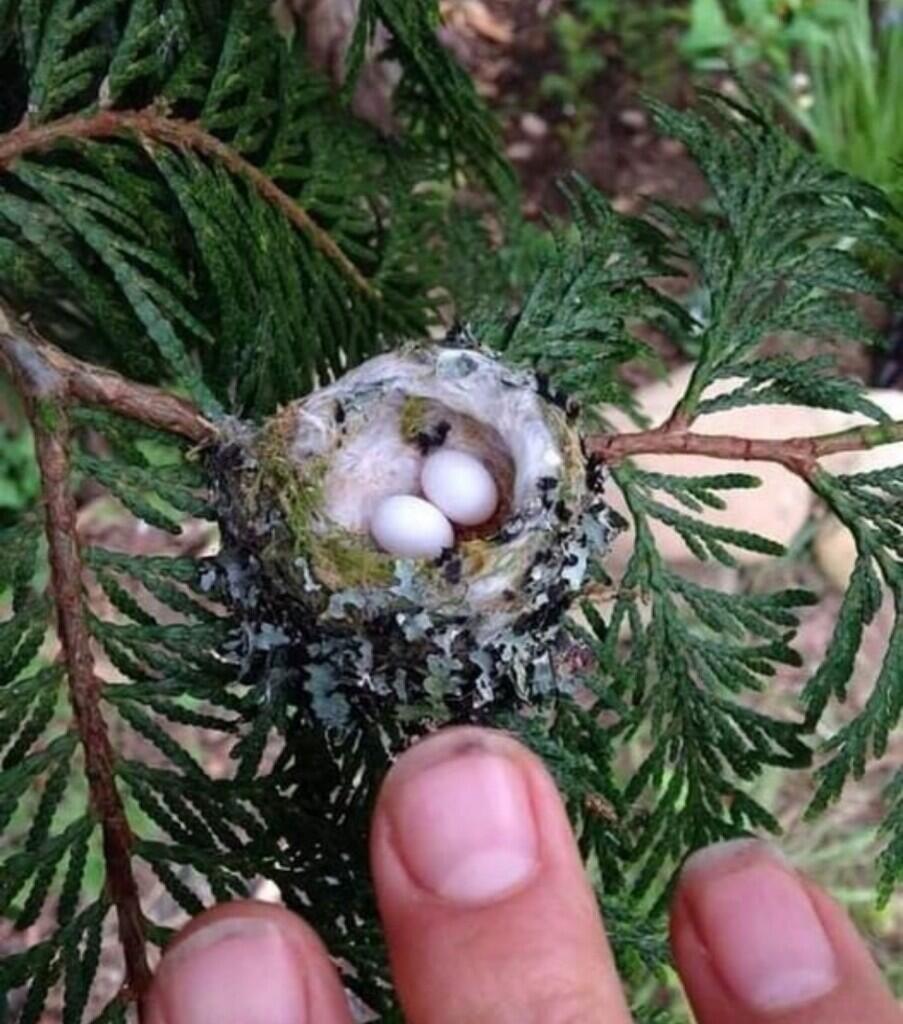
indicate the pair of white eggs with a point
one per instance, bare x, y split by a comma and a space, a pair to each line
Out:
457, 488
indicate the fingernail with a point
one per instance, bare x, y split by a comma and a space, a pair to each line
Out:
214, 976
759, 926
463, 825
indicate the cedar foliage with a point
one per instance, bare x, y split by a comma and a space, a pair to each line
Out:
150, 253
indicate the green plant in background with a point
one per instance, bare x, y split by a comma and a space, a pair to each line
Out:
185, 200
745, 33
578, 31
852, 110
588, 35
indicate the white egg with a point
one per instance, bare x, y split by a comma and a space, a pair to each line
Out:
410, 527
460, 485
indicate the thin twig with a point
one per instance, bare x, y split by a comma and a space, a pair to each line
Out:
798, 454
150, 124
44, 391
75, 379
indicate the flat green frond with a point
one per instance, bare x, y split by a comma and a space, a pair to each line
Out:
576, 323
890, 863
693, 656
783, 380
54, 870
117, 239
153, 46
436, 97
705, 540
63, 66
869, 506
866, 736
779, 251
860, 605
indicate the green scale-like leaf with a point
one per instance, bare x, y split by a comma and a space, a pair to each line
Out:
132, 233
770, 258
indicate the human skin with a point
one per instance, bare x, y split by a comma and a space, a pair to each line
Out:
489, 917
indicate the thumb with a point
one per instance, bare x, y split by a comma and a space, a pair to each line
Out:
756, 943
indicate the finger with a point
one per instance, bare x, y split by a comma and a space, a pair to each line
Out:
247, 963
485, 902
755, 942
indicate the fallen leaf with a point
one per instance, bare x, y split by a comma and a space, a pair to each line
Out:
485, 23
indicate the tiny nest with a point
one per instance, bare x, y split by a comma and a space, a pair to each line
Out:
351, 626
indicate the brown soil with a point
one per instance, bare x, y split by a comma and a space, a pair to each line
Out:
508, 47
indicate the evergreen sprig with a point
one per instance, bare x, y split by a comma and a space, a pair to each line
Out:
577, 322
783, 380
778, 255
193, 819
868, 504
891, 860
694, 656
176, 267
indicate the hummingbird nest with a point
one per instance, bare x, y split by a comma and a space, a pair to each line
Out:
352, 627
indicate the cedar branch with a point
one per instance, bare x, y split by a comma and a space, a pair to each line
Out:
44, 392
150, 125
798, 454
23, 347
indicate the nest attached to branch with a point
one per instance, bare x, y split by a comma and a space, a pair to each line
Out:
354, 627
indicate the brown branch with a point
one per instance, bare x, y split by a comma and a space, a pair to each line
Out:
798, 454
44, 390
28, 354
150, 124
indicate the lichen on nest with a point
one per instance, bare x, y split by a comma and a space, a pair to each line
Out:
353, 628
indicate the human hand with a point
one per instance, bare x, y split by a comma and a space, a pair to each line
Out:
489, 918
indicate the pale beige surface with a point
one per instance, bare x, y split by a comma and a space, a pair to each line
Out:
777, 509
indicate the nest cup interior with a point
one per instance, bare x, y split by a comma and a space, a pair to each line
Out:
384, 456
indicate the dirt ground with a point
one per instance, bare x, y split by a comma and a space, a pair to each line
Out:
509, 47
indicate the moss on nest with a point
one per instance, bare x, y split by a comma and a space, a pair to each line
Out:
356, 627
413, 418
340, 561
297, 489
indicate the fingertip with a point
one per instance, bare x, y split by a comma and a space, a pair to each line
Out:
760, 927
252, 914
481, 887
214, 971
456, 812
754, 940
445, 745
471, 815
